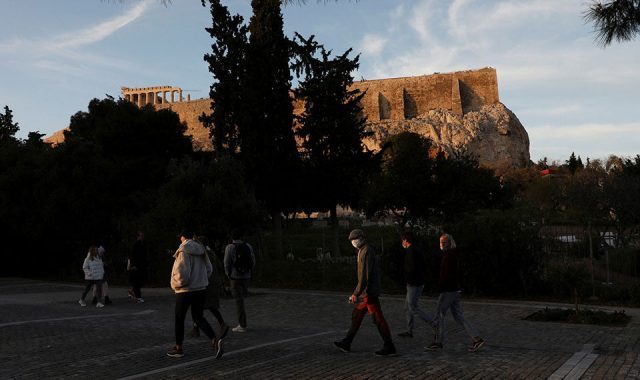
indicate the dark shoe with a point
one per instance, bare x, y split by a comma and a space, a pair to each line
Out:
107, 301
434, 347
175, 352
94, 301
217, 346
476, 344
386, 351
342, 345
194, 333
406, 334
225, 331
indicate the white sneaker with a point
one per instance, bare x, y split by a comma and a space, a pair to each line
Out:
139, 300
239, 329
82, 303
99, 304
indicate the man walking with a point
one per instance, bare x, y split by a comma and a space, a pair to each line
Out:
449, 287
239, 261
189, 280
369, 289
415, 273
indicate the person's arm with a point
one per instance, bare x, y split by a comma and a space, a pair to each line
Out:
182, 271
85, 267
228, 260
362, 273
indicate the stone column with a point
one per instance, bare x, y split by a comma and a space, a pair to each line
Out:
180, 92
172, 96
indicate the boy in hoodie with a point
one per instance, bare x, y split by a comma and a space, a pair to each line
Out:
189, 280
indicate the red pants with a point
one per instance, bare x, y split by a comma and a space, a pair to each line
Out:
371, 305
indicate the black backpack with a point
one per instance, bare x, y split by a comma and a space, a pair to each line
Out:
244, 260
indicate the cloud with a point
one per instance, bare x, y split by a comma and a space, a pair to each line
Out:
372, 44
101, 31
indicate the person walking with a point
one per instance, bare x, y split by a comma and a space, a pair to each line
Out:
239, 261
93, 274
449, 287
369, 289
137, 268
189, 280
105, 285
415, 273
212, 300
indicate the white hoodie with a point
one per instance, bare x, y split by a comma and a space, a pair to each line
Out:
191, 268
93, 269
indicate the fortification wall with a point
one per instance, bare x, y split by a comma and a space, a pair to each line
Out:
189, 112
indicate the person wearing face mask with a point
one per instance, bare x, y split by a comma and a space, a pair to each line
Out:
449, 288
415, 273
366, 295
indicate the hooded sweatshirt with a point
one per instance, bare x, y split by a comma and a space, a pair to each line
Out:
93, 269
368, 272
191, 268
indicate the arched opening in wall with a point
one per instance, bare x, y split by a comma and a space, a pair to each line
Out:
410, 105
158, 97
134, 98
384, 107
143, 99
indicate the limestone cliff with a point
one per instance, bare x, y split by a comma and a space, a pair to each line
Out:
493, 134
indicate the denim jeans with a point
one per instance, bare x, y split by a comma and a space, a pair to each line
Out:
446, 301
412, 309
238, 290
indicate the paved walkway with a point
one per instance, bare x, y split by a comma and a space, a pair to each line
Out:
44, 333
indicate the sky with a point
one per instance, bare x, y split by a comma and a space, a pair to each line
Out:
571, 94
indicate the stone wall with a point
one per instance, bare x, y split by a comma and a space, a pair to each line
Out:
189, 112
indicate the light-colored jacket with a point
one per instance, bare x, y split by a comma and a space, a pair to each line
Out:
230, 261
191, 268
93, 269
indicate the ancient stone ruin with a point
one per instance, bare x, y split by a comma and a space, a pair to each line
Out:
459, 110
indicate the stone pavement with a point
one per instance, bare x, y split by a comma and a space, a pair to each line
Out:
44, 333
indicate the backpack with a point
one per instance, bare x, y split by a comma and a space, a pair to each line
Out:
244, 260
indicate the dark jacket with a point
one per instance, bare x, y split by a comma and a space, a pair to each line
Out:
415, 269
368, 272
449, 279
138, 256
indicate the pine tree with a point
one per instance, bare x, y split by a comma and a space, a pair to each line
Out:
227, 62
8, 128
331, 127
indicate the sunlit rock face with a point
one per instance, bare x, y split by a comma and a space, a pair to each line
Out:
494, 135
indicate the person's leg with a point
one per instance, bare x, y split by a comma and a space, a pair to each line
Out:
357, 315
374, 308
414, 304
98, 287
183, 301
216, 313
444, 302
87, 287
458, 316
136, 284
197, 311
408, 313
238, 287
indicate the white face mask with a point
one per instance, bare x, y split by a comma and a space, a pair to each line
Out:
356, 243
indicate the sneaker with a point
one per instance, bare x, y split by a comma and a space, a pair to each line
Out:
175, 352
406, 334
225, 330
239, 329
476, 344
139, 300
99, 304
434, 347
82, 303
217, 346
195, 332
342, 345
386, 351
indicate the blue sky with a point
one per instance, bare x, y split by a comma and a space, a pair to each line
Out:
570, 94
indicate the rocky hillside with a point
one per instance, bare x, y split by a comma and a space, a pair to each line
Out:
494, 134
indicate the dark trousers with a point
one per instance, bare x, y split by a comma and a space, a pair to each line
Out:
136, 279
195, 300
90, 284
372, 306
239, 289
